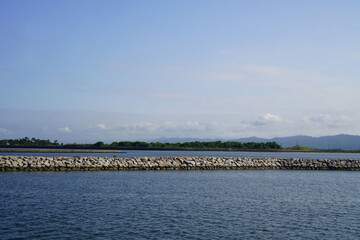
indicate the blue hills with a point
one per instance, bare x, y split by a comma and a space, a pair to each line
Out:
341, 141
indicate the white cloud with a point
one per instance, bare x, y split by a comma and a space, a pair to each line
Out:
179, 128
139, 127
328, 121
101, 126
169, 125
65, 130
268, 118
322, 118
194, 126
127, 126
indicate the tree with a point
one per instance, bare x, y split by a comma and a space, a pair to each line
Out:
99, 144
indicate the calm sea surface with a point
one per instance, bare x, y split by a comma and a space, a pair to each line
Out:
233, 204
140, 153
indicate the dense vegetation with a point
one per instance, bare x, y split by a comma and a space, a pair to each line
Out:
193, 145
28, 142
143, 145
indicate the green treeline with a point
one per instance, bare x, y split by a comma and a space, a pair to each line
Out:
193, 145
143, 145
28, 142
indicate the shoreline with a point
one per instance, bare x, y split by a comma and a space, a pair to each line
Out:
28, 163
58, 151
54, 149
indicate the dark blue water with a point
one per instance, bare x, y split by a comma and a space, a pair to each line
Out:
237, 204
141, 153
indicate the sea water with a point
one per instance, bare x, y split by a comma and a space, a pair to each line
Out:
231, 204
147, 153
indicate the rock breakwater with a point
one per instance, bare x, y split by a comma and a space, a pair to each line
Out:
26, 163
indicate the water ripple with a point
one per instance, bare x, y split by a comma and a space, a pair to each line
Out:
180, 205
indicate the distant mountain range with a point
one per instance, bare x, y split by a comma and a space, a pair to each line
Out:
341, 141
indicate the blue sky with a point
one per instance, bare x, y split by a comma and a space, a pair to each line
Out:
82, 71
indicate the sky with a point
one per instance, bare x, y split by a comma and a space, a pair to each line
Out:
87, 71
